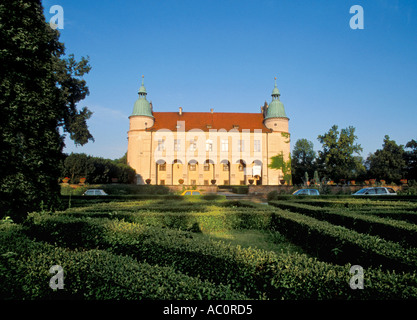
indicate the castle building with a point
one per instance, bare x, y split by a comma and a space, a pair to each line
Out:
204, 148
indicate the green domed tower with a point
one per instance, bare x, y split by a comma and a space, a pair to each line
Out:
275, 117
276, 107
142, 107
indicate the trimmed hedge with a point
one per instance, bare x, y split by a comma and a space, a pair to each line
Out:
407, 216
202, 215
209, 260
92, 274
394, 230
273, 195
82, 201
256, 273
240, 189
340, 245
359, 203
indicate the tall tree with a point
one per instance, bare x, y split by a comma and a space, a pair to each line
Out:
39, 91
303, 160
337, 158
411, 160
387, 163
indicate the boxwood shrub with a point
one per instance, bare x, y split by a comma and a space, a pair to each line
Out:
256, 273
92, 274
341, 245
399, 231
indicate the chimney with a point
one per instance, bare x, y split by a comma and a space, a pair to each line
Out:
180, 112
211, 110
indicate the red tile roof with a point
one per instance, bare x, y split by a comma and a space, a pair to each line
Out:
206, 121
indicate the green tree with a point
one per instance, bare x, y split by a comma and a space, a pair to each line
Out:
279, 163
39, 90
303, 160
96, 170
387, 163
122, 160
76, 166
336, 160
411, 160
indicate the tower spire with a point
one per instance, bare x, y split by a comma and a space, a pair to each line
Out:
275, 92
142, 107
276, 107
142, 90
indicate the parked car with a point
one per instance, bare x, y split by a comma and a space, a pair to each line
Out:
376, 191
191, 193
95, 192
306, 192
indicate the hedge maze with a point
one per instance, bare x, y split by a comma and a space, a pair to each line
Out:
162, 247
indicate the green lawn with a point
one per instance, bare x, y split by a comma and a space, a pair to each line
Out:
257, 239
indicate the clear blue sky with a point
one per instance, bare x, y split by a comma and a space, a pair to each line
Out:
225, 55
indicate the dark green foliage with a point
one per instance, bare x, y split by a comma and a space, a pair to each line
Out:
387, 163
340, 245
303, 160
394, 230
410, 156
96, 170
151, 249
92, 275
258, 274
336, 160
240, 189
39, 90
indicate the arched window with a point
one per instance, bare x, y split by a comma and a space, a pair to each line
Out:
192, 165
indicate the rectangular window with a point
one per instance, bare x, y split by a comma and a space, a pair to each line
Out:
206, 182
177, 145
209, 145
193, 182
225, 167
162, 182
207, 167
241, 146
225, 145
242, 182
241, 167
257, 146
192, 167
226, 182
163, 167
161, 144
193, 145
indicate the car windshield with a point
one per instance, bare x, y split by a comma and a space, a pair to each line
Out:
300, 192
390, 190
362, 191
